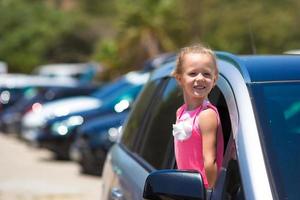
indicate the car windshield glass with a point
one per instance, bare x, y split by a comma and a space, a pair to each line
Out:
131, 79
128, 94
278, 111
110, 87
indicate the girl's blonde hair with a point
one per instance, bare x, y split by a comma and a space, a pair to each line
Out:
198, 48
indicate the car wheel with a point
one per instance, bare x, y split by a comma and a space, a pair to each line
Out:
92, 162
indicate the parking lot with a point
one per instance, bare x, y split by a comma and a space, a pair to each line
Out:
28, 173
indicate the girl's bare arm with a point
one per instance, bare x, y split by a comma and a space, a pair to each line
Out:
208, 124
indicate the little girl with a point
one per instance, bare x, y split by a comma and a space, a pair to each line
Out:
198, 136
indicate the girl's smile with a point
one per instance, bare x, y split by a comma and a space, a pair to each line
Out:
199, 88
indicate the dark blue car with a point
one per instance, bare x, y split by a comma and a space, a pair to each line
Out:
59, 132
11, 117
93, 140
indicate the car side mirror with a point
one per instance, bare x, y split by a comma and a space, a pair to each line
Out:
174, 184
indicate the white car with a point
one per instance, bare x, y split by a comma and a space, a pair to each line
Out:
25, 80
293, 52
3, 67
77, 71
14, 86
40, 113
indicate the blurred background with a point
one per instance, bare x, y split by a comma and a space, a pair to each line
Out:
122, 34
70, 71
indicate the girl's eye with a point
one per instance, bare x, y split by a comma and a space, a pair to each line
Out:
206, 74
192, 74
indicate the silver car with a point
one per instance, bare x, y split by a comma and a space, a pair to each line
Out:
258, 100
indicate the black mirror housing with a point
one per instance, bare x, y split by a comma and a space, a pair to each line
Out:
174, 184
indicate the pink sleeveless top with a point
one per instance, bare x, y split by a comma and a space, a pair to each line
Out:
189, 151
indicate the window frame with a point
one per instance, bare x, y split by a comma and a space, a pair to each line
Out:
230, 153
169, 161
152, 97
155, 96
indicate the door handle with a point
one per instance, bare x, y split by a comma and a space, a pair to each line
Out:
116, 194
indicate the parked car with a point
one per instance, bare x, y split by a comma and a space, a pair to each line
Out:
159, 60
11, 117
58, 134
9, 96
42, 127
34, 120
93, 140
258, 101
14, 86
83, 72
3, 67
95, 137
293, 51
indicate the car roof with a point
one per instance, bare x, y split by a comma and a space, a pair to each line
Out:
254, 68
272, 68
29, 80
164, 71
265, 68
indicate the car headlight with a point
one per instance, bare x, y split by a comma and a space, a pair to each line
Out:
4, 97
122, 105
113, 133
64, 127
74, 121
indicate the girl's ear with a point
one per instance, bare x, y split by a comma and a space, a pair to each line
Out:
216, 79
178, 79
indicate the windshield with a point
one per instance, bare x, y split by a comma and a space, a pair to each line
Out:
131, 79
278, 111
110, 87
128, 93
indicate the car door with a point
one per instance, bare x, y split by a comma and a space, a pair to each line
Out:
122, 153
146, 142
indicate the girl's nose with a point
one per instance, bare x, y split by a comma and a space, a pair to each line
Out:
199, 77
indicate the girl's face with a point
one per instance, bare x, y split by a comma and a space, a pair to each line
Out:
198, 76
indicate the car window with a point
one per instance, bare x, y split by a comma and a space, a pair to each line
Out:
136, 118
233, 188
108, 88
156, 144
217, 98
278, 116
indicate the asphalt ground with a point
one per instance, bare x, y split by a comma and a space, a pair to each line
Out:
28, 173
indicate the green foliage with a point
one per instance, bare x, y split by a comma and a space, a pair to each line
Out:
28, 31
107, 53
122, 34
251, 27
101, 8
145, 29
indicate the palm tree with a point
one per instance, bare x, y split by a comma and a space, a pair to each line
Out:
145, 29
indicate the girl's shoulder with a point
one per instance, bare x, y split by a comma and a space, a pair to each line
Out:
208, 119
208, 113
210, 107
